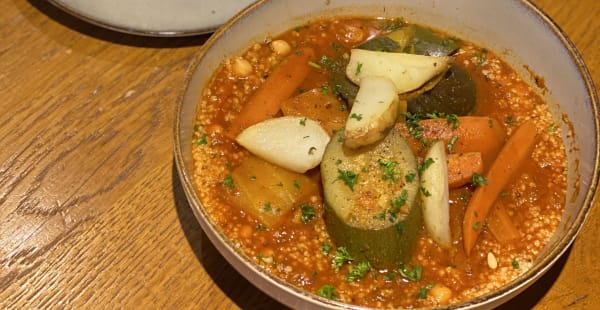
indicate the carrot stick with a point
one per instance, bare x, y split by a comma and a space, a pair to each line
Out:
280, 85
501, 224
461, 168
515, 151
325, 108
473, 134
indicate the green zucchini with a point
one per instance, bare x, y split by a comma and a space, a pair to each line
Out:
371, 195
454, 94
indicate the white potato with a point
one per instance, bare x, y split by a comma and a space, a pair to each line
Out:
434, 194
374, 111
292, 142
407, 71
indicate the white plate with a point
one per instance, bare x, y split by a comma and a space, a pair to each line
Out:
155, 17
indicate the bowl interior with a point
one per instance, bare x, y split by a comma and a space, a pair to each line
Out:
518, 31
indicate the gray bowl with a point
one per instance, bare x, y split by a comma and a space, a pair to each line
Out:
515, 29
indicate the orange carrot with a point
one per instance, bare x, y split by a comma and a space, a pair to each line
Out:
315, 104
501, 224
515, 151
462, 166
473, 134
280, 85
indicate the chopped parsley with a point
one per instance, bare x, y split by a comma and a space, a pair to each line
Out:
297, 184
515, 264
325, 248
451, 144
303, 122
324, 89
267, 207
358, 68
478, 179
425, 164
476, 225
410, 177
202, 140
412, 274
423, 291
308, 212
228, 181
389, 172
327, 291
340, 257
349, 177
357, 272
414, 127
425, 192
509, 120
355, 116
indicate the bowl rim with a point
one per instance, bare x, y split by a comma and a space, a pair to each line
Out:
511, 289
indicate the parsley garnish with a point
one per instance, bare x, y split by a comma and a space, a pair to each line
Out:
413, 274
509, 120
303, 122
410, 177
267, 207
358, 271
327, 291
451, 144
388, 170
425, 164
515, 264
414, 127
423, 291
228, 181
425, 192
478, 179
325, 248
202, 140
349, 177
355, 116
308, 212
476, 225
358, 68
340, 257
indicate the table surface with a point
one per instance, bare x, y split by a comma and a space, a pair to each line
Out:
91, 209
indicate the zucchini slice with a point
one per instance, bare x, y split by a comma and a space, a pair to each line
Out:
371, 199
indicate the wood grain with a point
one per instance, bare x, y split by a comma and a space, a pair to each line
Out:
92, 212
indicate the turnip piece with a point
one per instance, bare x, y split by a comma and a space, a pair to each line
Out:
407, 71
434, 195
373, 113
292, 142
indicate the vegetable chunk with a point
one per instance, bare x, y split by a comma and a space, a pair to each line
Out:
434, 194
517, 149
407, 71
292, 142
370, 201
268, 192
374, 112
280, 85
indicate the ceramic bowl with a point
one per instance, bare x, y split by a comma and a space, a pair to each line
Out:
517, 30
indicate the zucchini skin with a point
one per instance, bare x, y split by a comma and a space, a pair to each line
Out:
382, 248
359, 218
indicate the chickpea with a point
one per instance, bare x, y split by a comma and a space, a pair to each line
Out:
241, 67
245, 231
441, 294
281, 47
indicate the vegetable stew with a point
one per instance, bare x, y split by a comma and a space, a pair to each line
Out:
437, 176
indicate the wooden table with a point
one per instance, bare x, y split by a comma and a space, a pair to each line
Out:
92, 213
